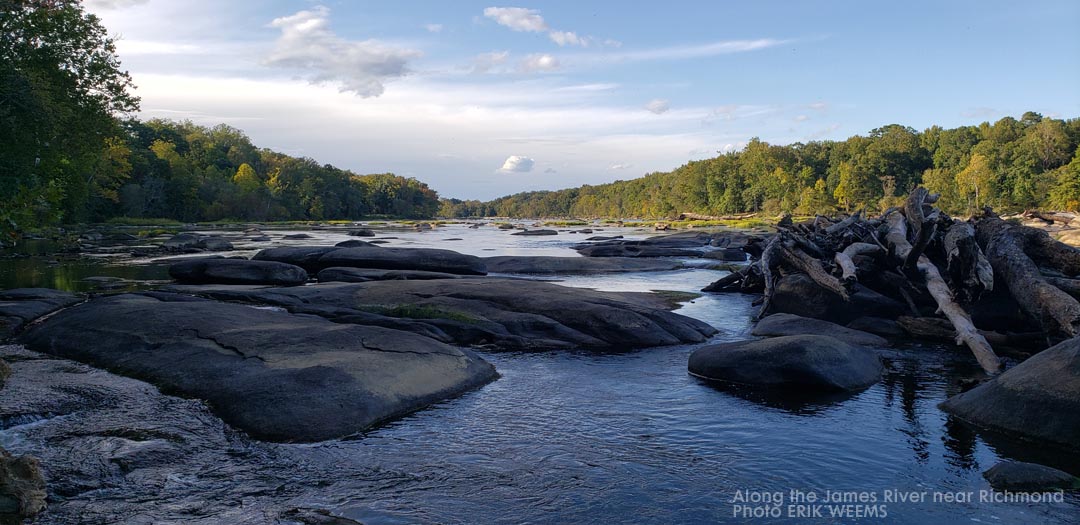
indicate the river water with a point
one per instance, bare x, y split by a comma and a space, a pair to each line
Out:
578, 437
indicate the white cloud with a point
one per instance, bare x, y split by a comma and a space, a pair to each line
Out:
517, 164
433, 28
484, 62
539, 62
723, 47
517, 18
308, 45
568, 38
802, 118
113, 4
820, 106
658, 106
620, 166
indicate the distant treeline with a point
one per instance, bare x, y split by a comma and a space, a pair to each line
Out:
1010, 164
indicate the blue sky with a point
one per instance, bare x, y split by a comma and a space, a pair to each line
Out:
485, 99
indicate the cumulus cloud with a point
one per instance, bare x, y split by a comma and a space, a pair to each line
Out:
530, 21
517, 164
658, 106
484, 62
539, 62
433, 28
113, 4
307, 44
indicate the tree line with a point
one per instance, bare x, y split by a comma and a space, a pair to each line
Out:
70, 151
1010, 164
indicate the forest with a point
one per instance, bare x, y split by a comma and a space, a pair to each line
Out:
1011, 164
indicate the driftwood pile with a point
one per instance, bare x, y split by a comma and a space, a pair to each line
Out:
941, 268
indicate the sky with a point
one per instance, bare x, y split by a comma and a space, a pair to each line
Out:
481, 100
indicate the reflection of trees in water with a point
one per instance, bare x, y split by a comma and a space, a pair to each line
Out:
902, 381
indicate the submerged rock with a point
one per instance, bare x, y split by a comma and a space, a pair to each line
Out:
278, 376
540, 265
505, 314
803, 362
789, 324
22, 305
237, 271
1021, 476
1037, 399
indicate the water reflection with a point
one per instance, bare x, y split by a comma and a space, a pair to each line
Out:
791, 401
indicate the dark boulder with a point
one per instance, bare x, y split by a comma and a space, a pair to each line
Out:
296, 236
354, 243
306, 257
789, 324
363, 275
22, 487
726, 254
181, 241
797, 294
502, 314
536, 232
22, 305
877, 326
541, 265
604, 238
215, 244
362, 232
802, 362
423, 259
1020, 476
237, 271
1037, 399
278, 376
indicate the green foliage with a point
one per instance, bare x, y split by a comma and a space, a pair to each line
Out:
1010, 164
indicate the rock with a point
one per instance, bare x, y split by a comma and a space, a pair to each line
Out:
181, 241
424, 259
541, 265
503, 314
726, 254
363, 275
423, 226
237, 271
536, 232
22, 305
22, 487
5, 373
1020, 476
1037, 399
315, 517
215, 244
789, 324
295, 236
585, 231
878, 326
306, 257
803, 362
362, 232
506, 226
797, 294
686, 244
353, 243
277, 376
604, 238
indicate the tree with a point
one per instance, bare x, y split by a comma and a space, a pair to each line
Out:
61, 89
976, 182
1066, 193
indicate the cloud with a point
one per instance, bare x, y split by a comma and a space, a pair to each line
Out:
820, 106
530, 21
802, 118
517, 164
308, 45
539, 62
484, 62
433, 28
658, 106
616, 167
723, 47
113, 4
517, 18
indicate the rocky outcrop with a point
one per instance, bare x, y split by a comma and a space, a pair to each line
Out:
317, 258
1021, 476
685, 244
363, 275
195, 242
277, 376
237, 271
533, 233
502, 314
362, 232
540, 265
1037, 399
22, 305
788, 324
798, 294
811, 363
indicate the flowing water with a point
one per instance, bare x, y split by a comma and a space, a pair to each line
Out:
578, 437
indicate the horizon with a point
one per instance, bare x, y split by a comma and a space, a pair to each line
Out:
481, 100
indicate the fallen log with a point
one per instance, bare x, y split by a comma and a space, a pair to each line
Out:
798, 259
844, 259
922, 219
769, 258
1004, 245
937, 329
966, 265
844, 224
935, 284
1069, 286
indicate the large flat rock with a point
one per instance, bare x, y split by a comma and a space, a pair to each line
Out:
504, 314
540, 265
789, 324
278, 376
237, 271
1038, 399
19, 306
316, 258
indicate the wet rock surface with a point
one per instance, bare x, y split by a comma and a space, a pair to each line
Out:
789, 324
1037, 399
22, 305
539, 265
811, 363
316, 258
1018, 475
237, 271
798, 294
278, 376
506, 314
363, 275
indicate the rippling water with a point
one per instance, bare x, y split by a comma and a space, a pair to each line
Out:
567, 437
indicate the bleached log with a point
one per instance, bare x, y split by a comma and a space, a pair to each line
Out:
798, 259
935, 284
844, 224
769, 258
844, 259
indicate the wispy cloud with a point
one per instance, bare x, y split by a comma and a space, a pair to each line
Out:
539, 62
658, 106
308, 46
433, 28
485, 62
530, 21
